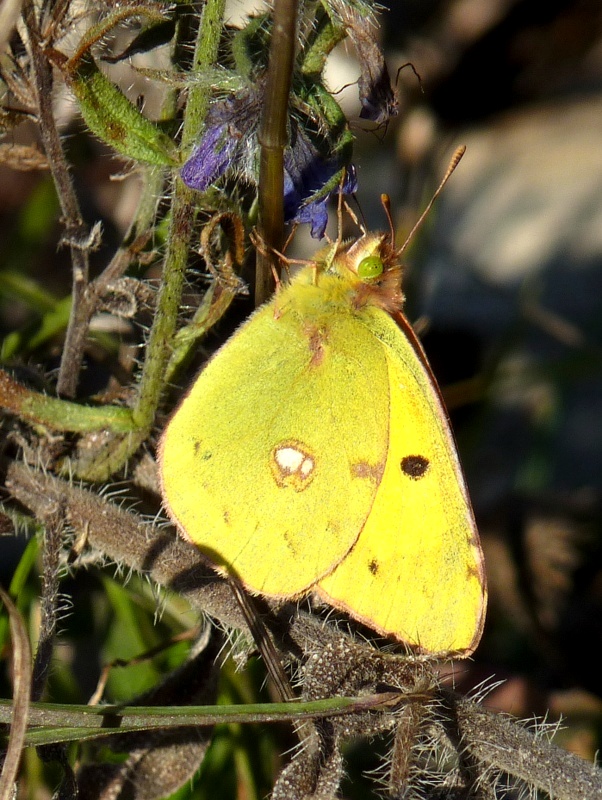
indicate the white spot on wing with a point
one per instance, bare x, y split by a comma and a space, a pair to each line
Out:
307, 467
289, 459
292, 465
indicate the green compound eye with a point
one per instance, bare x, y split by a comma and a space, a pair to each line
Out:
370, 267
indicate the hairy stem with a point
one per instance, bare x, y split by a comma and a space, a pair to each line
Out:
180, 231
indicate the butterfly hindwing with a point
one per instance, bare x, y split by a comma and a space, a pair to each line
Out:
416, 571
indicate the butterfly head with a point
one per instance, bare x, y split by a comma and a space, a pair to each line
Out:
372, 267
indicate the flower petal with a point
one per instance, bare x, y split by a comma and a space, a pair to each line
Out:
210, 159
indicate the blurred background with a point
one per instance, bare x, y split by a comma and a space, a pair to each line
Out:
504, 283
507, 282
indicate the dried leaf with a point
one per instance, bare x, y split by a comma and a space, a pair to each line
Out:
377, 97
22, 157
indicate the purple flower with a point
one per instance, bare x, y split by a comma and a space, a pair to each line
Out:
210, 159
229, 146
300, 185
224, 144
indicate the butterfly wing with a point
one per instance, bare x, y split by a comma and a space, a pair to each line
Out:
416, 571
272, 461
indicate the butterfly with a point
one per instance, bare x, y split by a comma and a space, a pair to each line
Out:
313, 455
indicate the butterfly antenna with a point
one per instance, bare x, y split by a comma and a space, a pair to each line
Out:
414, 70
386, 204
455, 160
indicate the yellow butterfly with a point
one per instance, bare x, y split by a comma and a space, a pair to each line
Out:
313, 455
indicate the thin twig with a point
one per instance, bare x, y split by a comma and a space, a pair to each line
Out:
76, 232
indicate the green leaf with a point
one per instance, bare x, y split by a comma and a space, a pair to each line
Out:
110, 115
58, 414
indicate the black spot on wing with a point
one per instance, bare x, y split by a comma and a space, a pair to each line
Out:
415, 466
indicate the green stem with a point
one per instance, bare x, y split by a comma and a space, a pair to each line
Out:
205, 57
180, 233
181, 227
117, 719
